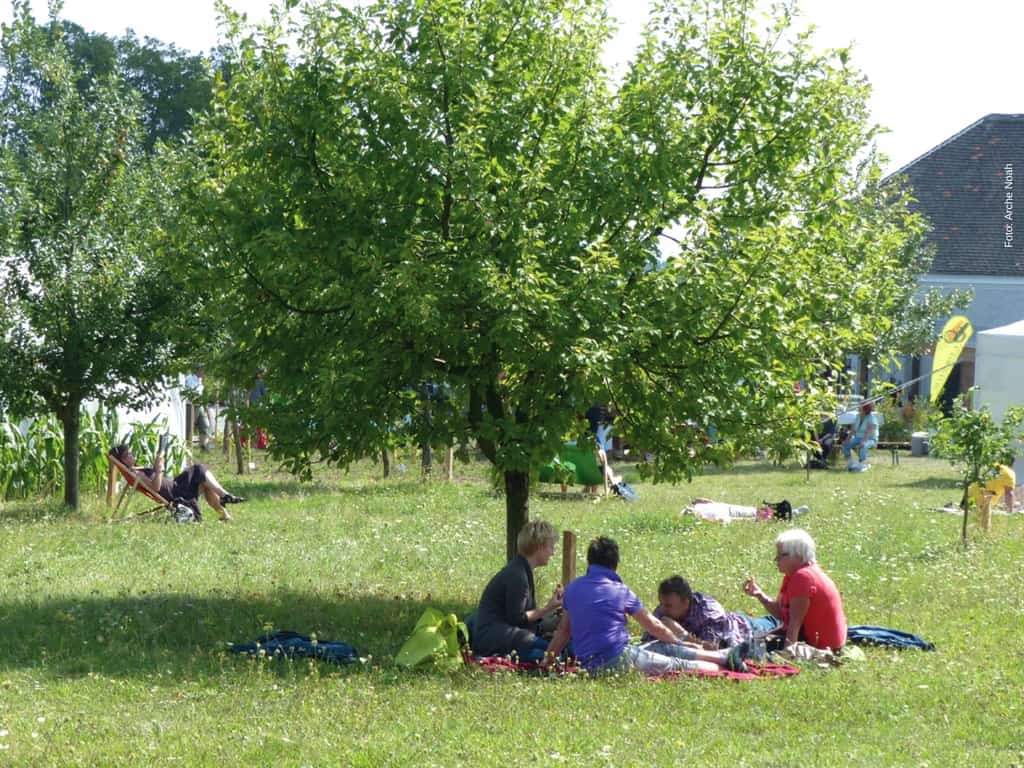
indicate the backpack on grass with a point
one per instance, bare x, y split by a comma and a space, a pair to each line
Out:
781, 510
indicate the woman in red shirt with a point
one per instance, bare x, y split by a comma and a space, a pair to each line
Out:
809, 604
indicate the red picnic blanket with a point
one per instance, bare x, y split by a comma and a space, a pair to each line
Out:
494, 664
764, 671
757, 672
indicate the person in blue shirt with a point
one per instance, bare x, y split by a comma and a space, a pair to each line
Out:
597, 608
865, 436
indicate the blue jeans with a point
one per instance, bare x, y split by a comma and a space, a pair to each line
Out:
536, 651
763, 625
861, 445
646, 661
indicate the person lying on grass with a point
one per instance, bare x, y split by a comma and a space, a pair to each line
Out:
183, 489
809, 604
507, 621
597, 607
700, 618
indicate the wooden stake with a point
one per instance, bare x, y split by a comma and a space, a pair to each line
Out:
568, 557
111, 482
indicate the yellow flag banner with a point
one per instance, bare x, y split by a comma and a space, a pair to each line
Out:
955, 334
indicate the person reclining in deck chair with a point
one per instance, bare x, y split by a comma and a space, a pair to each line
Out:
183, 489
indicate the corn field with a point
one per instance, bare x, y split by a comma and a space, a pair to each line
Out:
32, 455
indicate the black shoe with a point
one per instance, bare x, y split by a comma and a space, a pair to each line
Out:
230, 498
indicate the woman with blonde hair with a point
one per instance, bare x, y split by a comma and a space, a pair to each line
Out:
507, 619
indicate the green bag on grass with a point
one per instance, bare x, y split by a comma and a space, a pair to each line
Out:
437, 638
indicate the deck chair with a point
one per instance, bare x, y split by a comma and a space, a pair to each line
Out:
124, 499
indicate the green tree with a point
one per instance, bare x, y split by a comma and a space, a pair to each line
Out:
975, 444
85, 305
421, 192
173, 84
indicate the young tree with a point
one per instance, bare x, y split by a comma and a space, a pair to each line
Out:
421, 192
975, 444
85, 305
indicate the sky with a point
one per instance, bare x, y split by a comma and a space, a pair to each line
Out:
935, 67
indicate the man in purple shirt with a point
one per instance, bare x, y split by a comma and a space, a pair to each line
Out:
596, 609
703, 617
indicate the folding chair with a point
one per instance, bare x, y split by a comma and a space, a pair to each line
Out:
131, 482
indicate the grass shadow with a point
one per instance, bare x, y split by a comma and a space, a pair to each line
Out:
37, 511
754, 468
181, 635
263, 488
933, 484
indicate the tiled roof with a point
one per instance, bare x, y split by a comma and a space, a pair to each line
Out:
961, 186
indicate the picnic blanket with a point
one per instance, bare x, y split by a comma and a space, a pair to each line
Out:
494, 664
762, 671
285, 643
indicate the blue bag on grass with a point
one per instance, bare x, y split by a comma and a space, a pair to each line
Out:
294, 645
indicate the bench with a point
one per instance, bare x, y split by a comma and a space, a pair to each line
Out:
893, 446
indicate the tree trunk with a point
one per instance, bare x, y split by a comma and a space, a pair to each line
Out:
963, 506
69, 417
385, 459
236, 429
237, 439
517, 508
428, 460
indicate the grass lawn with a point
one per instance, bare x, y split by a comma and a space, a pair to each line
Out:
113, 636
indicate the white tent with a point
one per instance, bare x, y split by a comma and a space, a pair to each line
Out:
167, 408
999, 368
999, 373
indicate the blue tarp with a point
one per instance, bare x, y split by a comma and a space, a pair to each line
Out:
294, 645
865, 634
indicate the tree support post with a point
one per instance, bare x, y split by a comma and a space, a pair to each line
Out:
568, 557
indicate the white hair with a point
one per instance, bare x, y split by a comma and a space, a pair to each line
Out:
798, 543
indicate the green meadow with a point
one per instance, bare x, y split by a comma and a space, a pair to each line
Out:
114, 635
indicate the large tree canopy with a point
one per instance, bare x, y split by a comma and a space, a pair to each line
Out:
172, 84
85, 309
426, 191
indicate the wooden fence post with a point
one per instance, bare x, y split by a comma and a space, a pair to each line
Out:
111, 483
568, 557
